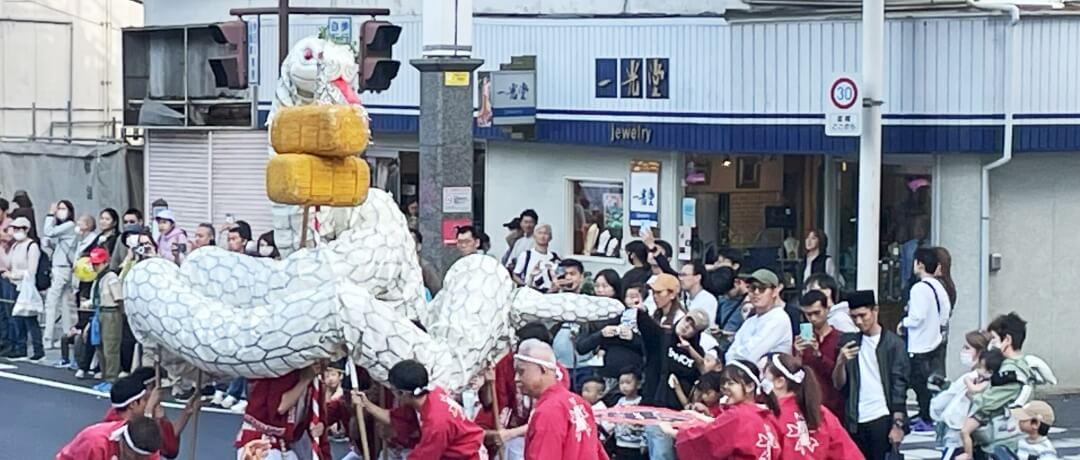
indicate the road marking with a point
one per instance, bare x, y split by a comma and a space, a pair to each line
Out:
90, 391
7, 367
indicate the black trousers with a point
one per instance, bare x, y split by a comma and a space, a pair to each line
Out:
924, 365
623, 453
873, 438
127, 347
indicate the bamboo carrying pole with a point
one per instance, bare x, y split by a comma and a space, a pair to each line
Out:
195, 423
361, 424
497, 415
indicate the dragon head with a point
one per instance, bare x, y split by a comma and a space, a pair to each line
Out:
313, 60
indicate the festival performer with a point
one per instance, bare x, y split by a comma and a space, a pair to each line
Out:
278, 410
445, 432
562, 424
744, 430
808, 428
514, 407
135, 396
136, 439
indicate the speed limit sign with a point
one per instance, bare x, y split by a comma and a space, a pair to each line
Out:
843, 111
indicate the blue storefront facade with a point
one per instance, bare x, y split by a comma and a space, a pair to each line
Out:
731, 114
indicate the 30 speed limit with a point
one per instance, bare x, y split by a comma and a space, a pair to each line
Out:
844, 93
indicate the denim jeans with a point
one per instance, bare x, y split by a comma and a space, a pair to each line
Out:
7, 324
237, 388
660, 445
28, 327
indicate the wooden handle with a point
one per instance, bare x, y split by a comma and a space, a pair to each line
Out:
361, 424
497, 412
195, 423
303, 228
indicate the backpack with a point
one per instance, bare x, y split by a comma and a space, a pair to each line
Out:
43, 275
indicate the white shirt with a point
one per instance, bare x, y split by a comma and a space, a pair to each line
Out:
1041, 449
709, 344
923, 320
706, 302
840, 318
872, 405
543, 279
522, 244
760, 335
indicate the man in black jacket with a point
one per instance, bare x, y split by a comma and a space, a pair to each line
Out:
871, 372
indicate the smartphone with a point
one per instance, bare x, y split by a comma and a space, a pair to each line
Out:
560, 272
806, 331
180, 247
230, 219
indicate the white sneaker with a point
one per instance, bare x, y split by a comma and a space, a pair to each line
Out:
123, 374
80, 374
219, 398
240, 407
228, 402
98, 376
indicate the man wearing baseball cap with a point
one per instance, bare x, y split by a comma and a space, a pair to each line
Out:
769, 329
1036, 418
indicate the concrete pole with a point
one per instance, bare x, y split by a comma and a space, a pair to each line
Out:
446, 121
869, 218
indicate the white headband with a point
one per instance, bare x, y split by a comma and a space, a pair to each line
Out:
419, 391
130, 400
123, 432
539, 362
796, 377
752, 375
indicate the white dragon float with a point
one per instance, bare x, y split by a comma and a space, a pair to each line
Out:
356, 293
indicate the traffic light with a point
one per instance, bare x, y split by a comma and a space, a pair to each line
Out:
230, 67
377, 69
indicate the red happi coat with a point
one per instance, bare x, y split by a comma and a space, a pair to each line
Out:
562, 426
95, 442
170, 444
445, 432
830, 440
262, 420
743, 431
515, 407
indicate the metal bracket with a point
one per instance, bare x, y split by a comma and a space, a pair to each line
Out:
868, 102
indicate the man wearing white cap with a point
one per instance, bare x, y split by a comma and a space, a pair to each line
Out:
562, 423
172, 241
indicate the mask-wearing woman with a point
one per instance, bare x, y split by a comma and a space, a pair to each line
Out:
812, 430
59, 233
24, 255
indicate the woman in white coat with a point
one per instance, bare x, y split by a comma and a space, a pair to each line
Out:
59, 239
950, 407
23, 256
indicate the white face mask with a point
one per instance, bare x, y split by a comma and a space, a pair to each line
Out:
62, 214
132, 241
19, 236
265, 251
967, 359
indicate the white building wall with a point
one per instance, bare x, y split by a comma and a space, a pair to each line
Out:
1035, 211
38, 63
523, 175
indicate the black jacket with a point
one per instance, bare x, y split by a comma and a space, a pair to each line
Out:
893, 365
664, 358
618, 353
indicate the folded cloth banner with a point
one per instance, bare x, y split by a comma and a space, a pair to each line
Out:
643, 415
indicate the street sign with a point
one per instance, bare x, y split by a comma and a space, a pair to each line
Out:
513, 98
843, 114
253, 50
339, 28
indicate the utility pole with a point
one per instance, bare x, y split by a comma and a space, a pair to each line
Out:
446, 124
869, 217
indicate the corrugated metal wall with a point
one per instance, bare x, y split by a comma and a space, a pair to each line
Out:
933, 65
